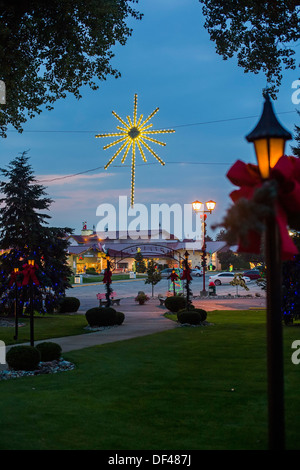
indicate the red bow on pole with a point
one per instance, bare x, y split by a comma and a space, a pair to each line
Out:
186, 275
107, 277
174, 276
13, 279
29, 274
287, 175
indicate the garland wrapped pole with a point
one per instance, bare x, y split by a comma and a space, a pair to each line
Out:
14, 281
186, 275
268, 199
197, 208
107, 280
30, 279
173, 276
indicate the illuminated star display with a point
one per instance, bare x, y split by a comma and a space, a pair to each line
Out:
133, 135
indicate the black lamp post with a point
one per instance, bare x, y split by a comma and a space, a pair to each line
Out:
16, 271
108, 288
31, 263
187, 284
197, 208
269, 139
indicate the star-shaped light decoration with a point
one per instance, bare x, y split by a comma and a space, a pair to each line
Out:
133, 135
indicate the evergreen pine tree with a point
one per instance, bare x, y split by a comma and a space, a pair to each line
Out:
153, 275
139, 262
296, 150
24, 234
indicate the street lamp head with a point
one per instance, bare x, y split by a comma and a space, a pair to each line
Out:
197, 205
210, 205
269, 139
16, 270
186, 254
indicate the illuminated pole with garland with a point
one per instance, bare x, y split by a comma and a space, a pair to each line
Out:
16, 272
134, 134
269, 139
197, 208
186, 275
107, 280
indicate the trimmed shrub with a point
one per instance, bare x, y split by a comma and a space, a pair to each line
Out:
202, 313
193, 317
23, 358
104, 316
91, 271
49, 351
120, 318
175, 303
189, 316
69, 305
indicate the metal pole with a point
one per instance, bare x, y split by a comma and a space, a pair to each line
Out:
204, 252
274, 338
31, 314
108, 302
16, 311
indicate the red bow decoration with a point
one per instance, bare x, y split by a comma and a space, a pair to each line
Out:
173, 276
13, 279
287, 174
107, 277
186, 275
29, 274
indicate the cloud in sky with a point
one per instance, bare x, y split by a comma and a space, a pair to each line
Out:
62, 180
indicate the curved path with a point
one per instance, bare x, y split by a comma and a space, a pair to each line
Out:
142, 320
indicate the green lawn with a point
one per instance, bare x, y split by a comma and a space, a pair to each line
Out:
99, 278
184, 389
47, 326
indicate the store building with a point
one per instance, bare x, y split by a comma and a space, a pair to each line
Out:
87, 251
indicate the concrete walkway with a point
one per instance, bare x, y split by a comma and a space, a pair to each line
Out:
140, 320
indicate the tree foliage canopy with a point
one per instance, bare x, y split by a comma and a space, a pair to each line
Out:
24, 234
260, 33
48, 49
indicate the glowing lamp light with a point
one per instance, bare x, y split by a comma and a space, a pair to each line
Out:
210, 205
269, 139
31, 262
16, 270
133, 135
197, 205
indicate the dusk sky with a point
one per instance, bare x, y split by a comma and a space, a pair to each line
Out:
170, 62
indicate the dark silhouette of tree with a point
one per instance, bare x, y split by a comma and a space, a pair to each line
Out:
24, 234
260, 33
51, 48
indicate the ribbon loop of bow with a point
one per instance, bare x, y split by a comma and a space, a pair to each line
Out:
173, 276
14, 279
287, 175
29, 274
107, 277
186, 275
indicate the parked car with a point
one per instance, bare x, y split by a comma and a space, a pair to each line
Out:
166, 272
225, 278
252, 273
196, 272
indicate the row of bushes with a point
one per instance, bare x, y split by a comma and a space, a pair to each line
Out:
191, 315
28, 357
